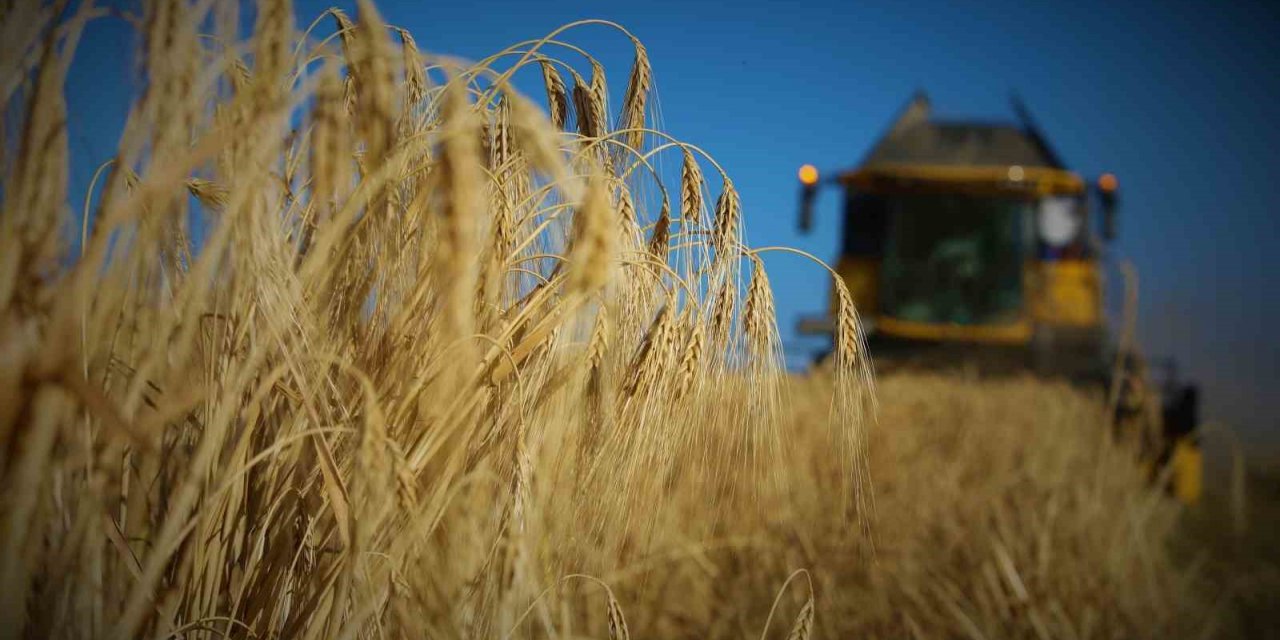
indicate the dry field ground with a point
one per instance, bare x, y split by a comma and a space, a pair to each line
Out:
351, 340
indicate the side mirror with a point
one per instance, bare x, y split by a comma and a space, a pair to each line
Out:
1107, 188
807, 192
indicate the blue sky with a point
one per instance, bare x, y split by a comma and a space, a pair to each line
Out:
1172, 97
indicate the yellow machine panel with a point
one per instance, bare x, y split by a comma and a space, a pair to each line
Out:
1005, 334
1066, 293
1188, 471
887, 177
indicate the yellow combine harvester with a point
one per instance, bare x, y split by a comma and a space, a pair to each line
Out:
971, 242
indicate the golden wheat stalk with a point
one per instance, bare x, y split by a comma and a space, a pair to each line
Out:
758, 312
415, 76
557, 94
660, 238
727, 215
690, 191
633, 106
460, 171
594, 240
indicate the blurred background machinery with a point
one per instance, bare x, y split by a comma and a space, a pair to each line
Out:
969, 243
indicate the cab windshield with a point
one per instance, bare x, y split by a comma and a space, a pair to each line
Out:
954, 259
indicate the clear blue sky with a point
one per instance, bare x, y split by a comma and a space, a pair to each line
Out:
1175, 98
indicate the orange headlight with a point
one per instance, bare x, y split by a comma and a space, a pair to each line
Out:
808, 175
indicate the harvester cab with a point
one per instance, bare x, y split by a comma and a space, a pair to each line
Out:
972, 243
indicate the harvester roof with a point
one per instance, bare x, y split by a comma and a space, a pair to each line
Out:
917, 139
919, 153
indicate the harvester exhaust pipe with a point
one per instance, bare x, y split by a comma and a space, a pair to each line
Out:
808, 189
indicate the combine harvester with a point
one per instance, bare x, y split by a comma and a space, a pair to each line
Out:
970, 244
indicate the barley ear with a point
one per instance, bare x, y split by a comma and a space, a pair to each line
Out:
626, 206
209, 194
598, 343
346, 31
597, 394
847, 335
376, 86
331, 141
627, 218
599, 97
557, 94
803, 626
637, 95
347, 35
461, 172
722, 314
537, 140
594, 240
237, 74
690, 191
590, 116
617, 621
728, 213
415, 76
691, 359
650, 360
660, 239
271, 50
854, 387
758, 312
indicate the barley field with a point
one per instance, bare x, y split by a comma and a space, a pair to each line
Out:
350, 339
